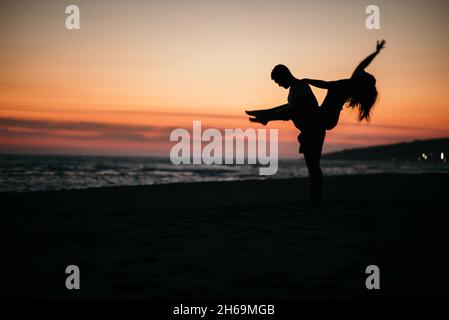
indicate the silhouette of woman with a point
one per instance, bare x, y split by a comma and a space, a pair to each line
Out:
359, 92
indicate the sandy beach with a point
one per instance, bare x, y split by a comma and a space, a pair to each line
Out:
231, 240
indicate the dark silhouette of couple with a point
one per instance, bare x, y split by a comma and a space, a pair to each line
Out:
312, 120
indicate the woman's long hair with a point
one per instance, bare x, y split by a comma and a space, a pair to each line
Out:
364, 95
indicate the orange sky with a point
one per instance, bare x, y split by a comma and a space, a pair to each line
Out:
137, 69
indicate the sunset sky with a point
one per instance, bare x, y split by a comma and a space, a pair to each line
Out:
138, 69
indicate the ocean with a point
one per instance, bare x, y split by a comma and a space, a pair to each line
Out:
22, 173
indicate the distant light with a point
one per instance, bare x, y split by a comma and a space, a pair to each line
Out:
442, 156
424, 156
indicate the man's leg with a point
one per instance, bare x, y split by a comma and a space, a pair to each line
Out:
313, 158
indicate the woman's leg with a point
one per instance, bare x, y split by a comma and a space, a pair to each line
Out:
260, 120
264, 116
266, 112
276, 113
313, 158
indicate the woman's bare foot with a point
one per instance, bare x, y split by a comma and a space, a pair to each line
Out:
251, 113
259, 120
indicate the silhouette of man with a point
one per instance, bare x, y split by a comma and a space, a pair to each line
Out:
302, 108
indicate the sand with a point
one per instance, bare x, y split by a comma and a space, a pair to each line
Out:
231, 240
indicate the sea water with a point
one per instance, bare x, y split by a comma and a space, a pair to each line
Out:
33, 173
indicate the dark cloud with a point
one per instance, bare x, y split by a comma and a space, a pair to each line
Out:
23, 128
386, 126
85, 130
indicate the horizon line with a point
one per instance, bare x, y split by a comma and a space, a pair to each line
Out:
15, 153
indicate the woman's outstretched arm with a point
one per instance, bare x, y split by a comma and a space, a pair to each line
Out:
318, 83
365, 63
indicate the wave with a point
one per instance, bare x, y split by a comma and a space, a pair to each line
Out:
36, 173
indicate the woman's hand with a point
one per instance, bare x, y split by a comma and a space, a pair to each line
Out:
380, 45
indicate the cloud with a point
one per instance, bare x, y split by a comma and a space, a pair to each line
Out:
14, 127
125, 111
81, 130
386, 126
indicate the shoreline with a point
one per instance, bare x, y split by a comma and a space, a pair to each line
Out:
237, 180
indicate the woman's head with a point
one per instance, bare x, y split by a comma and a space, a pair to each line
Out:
363, 94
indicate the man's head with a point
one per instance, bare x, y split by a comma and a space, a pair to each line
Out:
282, 76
